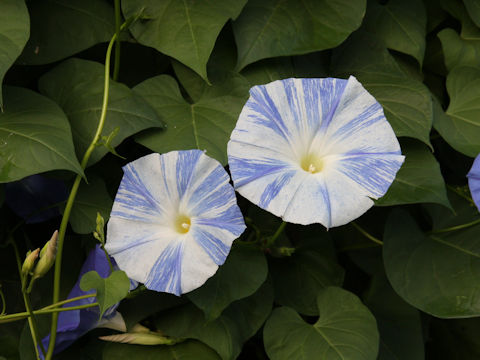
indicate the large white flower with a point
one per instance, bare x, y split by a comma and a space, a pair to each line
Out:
313, 150
173, 221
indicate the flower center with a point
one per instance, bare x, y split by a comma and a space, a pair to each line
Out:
312, 163
182, 224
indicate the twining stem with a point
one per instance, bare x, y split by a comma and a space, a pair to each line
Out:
32, 321
45, 310
366, 234
457, 227
118, 23
73, 193
271, 240
60, 303
24, 315
108, 259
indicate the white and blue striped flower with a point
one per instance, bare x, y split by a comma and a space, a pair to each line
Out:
173, 221
474, 181
313, 150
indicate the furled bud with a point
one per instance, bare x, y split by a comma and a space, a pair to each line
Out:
29, 263
47, 257
141, 338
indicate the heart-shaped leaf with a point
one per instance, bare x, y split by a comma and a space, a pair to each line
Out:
110, 290
184, 30
345, 330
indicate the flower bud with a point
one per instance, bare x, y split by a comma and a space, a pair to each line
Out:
47, 257
141, 338
29, 262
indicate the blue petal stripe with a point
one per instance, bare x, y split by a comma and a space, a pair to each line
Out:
312, 93
186, 162
272, 189
328, 205
230, 220
216, 182
269, 116
368, 117
331, 91
132, 194
215, 248
247, 170
166, 273
375, 174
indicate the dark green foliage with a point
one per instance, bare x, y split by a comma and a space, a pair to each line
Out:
184, 75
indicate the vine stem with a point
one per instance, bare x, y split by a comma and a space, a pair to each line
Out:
45, 310
279, 231
366, 234
457, 227
71, 199
118, 21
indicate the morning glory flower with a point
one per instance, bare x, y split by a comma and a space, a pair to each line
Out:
173, 221
474, 181
313, 150
76, 323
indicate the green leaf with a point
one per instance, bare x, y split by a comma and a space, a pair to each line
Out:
269, 28
345, 330
189, 350
14, 33
407, 103
399, 324
419, 179
457, 51
460, 126
206, 124
456, 8
438, 272
473, 8
184, 30
34, 136
401, 24
226, 334
61, 28
91, 198
298, 278
110, 290
77, 86
244, 271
